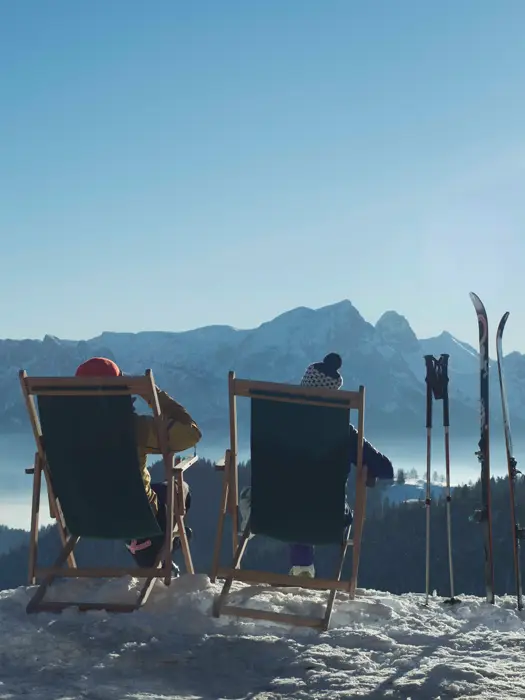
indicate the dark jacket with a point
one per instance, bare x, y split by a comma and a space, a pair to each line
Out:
379, 466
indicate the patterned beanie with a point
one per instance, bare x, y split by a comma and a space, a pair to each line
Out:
324, 374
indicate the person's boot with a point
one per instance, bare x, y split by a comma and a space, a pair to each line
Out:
303, 571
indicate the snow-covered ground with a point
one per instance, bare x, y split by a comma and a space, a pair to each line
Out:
378, 646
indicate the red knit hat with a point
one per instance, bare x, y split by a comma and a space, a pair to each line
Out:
98, 367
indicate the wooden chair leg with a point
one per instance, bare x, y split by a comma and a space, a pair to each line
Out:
339, 573
179, 492
233, 497
56, 512
185, 546
35, 513
360, 505
241, 548
67, 549
220, 529
169, 526
149, 583
178, 513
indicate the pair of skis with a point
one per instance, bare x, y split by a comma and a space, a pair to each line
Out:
484, 516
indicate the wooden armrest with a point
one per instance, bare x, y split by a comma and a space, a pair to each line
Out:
182, 464
31, 470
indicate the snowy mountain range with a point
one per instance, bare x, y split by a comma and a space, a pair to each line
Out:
193, 366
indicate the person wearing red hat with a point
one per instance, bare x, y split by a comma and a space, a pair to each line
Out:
183, 433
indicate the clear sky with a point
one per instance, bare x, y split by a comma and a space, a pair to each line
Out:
170, 164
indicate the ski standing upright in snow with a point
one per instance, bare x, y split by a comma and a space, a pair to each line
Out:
517, 531
484, 515
429, 379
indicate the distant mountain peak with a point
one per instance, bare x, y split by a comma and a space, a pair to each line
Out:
446, 336
301, 311
341, 311
341, 314
297, 313
343, 305
51, 340
394, 330
392, 318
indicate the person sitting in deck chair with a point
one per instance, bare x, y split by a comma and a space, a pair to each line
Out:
183, 433
326, 374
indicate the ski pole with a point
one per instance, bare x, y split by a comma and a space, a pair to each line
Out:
443, 361
429, 379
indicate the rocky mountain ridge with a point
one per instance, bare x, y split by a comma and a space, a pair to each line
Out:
193, 365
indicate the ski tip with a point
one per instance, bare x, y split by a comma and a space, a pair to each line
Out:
503, 321
478, 304
474, 297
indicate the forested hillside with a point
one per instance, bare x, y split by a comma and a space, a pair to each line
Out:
393, 554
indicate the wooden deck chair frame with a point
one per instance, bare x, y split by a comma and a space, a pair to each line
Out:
230, 501
174, 468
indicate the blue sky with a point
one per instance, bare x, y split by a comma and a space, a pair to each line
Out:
169, 165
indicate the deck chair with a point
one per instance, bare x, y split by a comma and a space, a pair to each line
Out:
300, 464
84, 427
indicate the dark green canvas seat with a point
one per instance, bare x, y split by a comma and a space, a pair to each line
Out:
94, 467
304, 481
84, 429
300, 463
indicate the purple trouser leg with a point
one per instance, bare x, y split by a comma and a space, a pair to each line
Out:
301, 555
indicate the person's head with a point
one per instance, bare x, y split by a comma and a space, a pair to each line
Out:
98, 367
333, 361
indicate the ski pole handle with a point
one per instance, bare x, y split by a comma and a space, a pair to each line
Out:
429, 379
444, 377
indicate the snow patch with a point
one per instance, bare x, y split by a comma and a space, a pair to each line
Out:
378, 646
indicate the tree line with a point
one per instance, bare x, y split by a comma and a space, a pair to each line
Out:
393, 548
402, 475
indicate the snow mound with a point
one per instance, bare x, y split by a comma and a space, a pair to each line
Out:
378, 646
